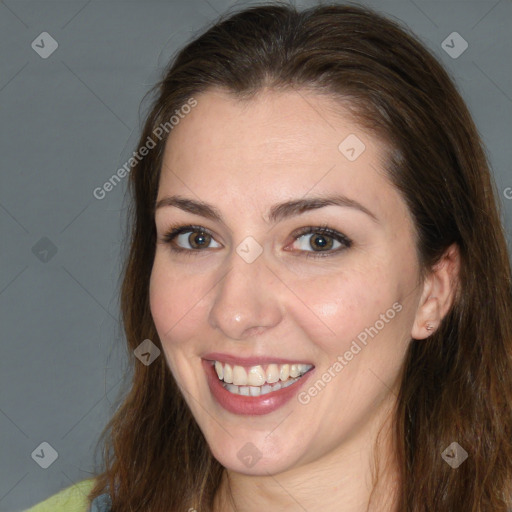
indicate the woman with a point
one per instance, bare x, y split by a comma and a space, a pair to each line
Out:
320, 277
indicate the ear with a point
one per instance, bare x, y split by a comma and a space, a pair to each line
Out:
438, 294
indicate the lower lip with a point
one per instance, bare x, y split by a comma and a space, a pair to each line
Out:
251, 405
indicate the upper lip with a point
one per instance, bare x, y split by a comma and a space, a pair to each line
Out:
250, 361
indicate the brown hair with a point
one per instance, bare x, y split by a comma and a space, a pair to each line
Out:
457, 384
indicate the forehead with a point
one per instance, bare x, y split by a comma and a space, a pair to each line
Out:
276, 146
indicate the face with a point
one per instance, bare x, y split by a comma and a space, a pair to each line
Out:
307, 308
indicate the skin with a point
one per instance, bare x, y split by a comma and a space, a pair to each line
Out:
243, 157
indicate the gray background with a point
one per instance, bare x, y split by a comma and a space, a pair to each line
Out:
68, 122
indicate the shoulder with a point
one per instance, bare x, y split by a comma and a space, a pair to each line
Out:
73, 499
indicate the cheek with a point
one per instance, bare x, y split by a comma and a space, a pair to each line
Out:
342, 305
160, 299
173, 302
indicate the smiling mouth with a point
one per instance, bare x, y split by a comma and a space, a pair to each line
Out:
258, 380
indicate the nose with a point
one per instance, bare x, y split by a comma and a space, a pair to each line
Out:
245, 301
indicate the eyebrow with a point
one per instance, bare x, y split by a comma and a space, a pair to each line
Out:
277, 212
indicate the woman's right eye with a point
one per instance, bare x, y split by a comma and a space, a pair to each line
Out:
196, 237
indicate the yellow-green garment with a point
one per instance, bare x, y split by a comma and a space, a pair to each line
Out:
73, 499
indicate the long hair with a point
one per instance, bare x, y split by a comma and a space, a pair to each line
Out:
457, 384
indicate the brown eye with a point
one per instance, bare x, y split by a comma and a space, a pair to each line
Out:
320, 241
195, 237
199, 240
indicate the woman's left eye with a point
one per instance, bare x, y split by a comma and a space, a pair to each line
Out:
321, 238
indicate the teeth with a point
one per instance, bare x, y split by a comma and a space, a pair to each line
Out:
219, 369
254, 390
232, 388
239, 376
228, 372
257, 376
294, 370
266, 389
272, 373
258, 391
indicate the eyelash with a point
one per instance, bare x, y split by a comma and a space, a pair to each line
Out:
174, 231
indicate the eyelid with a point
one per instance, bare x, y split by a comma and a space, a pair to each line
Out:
179, 229
323, 230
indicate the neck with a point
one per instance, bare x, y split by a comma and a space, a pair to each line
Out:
341, 480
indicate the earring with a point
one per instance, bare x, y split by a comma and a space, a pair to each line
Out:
429, 327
